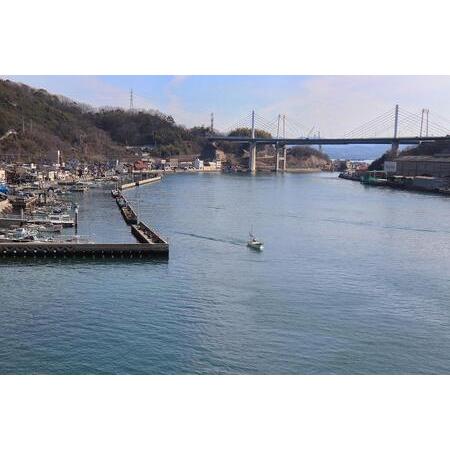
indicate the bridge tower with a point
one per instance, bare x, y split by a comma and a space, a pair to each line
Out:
252, 149
395, 143
280, 151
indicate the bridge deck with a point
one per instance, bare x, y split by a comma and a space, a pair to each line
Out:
330, 141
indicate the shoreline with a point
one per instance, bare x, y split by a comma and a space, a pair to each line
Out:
442, 192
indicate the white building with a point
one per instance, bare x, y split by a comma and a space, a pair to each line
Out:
2, 175
198, 164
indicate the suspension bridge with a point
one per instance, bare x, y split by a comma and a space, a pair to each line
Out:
393, 127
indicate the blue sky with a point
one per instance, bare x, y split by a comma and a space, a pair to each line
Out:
333, 104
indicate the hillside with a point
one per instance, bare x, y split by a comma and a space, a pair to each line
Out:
35, 124
40, 124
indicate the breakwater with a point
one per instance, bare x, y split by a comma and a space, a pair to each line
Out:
142, 232
140, 182
146, 235
50, 249
127, 211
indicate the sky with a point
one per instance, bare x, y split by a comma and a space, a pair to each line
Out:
332, 104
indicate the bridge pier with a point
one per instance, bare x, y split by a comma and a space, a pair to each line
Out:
252, 158
280, 156
395, 148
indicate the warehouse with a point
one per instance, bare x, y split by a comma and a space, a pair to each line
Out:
429, 166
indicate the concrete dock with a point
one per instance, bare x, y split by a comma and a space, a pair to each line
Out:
140, 182
19, 222
144, 234
40, 249
126, 210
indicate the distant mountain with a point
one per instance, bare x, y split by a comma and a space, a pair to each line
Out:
355, 152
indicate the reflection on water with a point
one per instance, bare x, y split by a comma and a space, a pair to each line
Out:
88, 261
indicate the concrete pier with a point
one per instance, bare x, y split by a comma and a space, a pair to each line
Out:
144, 234
128, 214
126, 209
280, 157
18, 222
252, 158
140, 182
43, 249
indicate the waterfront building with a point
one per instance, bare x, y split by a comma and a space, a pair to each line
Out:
390, 167
174, 163
198, 164
185, 165
140, 165
429, 166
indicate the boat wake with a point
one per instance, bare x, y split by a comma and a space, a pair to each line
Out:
367, 224
210, 238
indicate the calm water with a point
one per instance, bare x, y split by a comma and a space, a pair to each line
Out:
353, 279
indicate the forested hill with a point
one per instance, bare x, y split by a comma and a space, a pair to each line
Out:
35, 124
38, 124
138, 128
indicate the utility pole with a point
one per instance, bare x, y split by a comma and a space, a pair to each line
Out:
212, 123
131, 99
76, 220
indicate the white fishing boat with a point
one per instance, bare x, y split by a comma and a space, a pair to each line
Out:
254, 243
21, 234
61, 219
46, 227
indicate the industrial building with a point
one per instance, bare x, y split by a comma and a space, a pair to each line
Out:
428, 166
